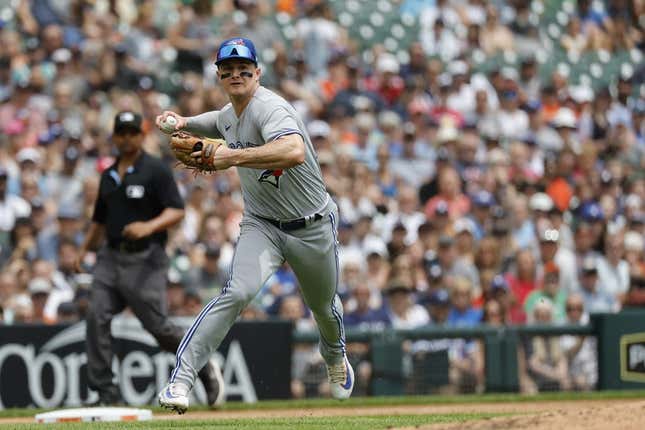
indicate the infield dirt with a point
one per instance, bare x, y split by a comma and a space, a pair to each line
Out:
626, 414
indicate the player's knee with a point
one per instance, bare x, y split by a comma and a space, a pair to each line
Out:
238, 295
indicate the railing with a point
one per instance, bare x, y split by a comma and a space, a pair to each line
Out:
500, 350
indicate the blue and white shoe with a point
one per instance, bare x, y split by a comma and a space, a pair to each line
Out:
341, 379
174, 397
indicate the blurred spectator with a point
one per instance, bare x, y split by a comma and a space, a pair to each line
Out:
466, 365
462, 313
595, 295
39, 289
449, 194
580, 351
547, 362
402, 311
494, 36
210, 275
522, 280
364, 314
613, 270
550, 290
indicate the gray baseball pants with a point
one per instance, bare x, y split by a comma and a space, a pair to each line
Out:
136, 280
261, 249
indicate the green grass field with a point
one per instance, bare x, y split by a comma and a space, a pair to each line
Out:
304, 423
331, 422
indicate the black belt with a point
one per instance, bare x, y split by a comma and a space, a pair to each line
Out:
295, 224
129, 246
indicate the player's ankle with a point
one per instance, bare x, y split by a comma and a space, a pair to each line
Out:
181, 388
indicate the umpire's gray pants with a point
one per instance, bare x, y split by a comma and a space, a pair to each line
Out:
261, 249
137, 280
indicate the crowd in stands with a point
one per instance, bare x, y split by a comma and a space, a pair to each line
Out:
466, 197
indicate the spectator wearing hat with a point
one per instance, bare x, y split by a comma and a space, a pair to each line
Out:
592, 214
411, 165
175, 293
595, 295
66, 228
500, 291
541, 205
65, 187
512, 121
551, 250
402, 311
39, 289
482, 202
452, 266
465, 239
565, 124
549, 290
319, 131
209, 275
378, 268
426, 353
367, 240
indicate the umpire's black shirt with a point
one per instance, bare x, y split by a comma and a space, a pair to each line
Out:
147, 188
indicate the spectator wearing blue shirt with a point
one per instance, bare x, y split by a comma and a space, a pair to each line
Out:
462, 313
482, 201
365, 315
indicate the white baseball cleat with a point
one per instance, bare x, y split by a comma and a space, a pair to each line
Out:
175, 397
341, 379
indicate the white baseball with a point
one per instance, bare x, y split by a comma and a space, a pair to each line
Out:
168, 126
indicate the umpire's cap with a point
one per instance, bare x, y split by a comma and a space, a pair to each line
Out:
237, 47
127, 120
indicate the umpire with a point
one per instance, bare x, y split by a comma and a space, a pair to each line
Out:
138, 201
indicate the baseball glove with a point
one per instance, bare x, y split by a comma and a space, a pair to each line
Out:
183, 144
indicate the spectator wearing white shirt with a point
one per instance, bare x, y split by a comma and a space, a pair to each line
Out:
595, 295
613, 270
512, 121
580, 351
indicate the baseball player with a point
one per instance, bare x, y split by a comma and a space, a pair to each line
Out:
138, 201
288, 216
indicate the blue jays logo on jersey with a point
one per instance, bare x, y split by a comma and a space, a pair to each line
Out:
271, 177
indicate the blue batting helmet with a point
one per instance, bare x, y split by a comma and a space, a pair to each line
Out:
237, 47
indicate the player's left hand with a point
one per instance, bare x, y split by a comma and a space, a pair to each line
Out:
137, 230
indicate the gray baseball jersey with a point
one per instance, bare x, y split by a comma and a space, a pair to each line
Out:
279, 194
262, 247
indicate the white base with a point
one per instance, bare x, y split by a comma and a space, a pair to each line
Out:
94, 414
